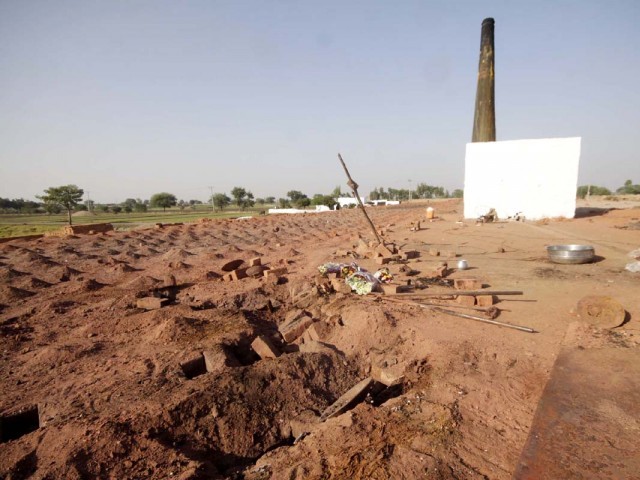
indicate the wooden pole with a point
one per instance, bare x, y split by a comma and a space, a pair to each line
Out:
354, 188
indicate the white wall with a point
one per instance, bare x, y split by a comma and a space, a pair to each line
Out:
538, 178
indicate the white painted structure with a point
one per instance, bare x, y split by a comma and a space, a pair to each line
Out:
347, 201
533, 178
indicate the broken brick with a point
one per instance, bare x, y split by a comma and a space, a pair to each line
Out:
434, 252
264, 347
449, 254
389, 372
382, 260
340, 286
408, 255
151, 303
311, 334
294, 325
276, 272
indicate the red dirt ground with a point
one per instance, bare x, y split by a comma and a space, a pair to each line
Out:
114, 402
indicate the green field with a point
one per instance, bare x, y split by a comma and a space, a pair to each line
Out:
15, 225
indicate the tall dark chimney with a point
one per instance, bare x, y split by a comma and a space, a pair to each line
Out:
484, 119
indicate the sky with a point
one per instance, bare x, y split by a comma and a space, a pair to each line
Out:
130, 98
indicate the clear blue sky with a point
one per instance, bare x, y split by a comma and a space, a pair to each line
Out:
129, 98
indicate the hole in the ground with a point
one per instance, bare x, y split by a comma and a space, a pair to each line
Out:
18, 424
243, 352
386, 393
194, 368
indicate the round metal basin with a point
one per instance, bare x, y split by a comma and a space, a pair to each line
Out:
570, 253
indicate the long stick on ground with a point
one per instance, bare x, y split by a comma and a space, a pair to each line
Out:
480, 319
354, 187
455, 293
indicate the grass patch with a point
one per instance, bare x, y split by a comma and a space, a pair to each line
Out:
15, 225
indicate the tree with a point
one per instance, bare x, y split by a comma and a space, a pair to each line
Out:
163, 200
591, 190
270, 200
260, 201
129, 202
298, 199
66, 196
319, 199
242, 197
628, 188
221, 200
140, 207
457, 193
116, 209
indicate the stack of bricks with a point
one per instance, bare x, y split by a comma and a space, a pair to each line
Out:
470, 300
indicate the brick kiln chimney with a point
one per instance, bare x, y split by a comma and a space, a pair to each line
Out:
484, 119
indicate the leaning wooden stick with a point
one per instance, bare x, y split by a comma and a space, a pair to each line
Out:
354, 187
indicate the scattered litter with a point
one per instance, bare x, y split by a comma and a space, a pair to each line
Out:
633, 267
489, 217
357, 278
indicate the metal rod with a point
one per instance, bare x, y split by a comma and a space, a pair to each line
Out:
468, 292
480, 319
354, 187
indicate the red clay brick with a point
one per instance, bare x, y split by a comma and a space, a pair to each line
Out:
485, 300
466, 300
264, 347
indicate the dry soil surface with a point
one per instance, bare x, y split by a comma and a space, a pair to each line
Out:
114, 400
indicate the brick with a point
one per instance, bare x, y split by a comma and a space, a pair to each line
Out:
254, 262
388, 371
434, 252
151, 303
276, 272
239, 274
391, 289
311, 334
467, 284
169, 281
382, 260
348, 399
294, 325
449, 254
409, 254
383, 251
227, 277
441, 271
264, 347
216, 359
466, 300
485, 300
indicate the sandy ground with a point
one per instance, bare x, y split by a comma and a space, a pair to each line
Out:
114, 402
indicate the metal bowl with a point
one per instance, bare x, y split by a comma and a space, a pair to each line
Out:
570, 253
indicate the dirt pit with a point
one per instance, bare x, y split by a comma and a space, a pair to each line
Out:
135, 351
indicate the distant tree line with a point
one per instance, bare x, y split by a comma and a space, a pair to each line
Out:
422, 190
629, 188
